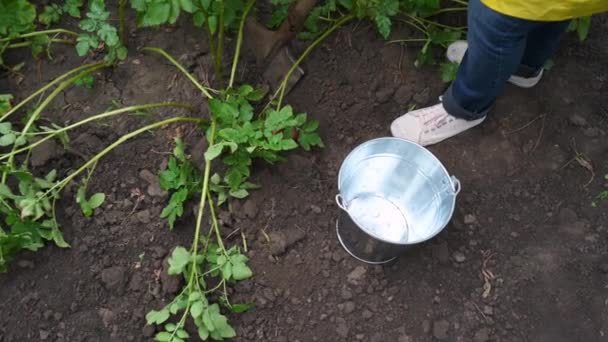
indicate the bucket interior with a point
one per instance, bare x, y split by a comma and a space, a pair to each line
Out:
396, 191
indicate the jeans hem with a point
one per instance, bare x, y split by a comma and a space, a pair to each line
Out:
451, 105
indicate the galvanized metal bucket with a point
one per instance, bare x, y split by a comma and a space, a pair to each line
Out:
393, 193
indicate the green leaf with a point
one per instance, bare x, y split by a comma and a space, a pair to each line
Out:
88, 25
239, 308
383, 23
215, 150
227, 271
156, 14
181, 333
6, 127
170, 327
288, 144
448, 71
157, 317
5, 191
240, 193
97, 199
7, 139
162, 336
187, 5
212, 22
179, 259
203, 333
196, 309
582, 29
241, 271
198, 19
108, 34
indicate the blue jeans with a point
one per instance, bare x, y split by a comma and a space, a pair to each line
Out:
499, 46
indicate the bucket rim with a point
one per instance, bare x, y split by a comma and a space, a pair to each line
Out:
427, 152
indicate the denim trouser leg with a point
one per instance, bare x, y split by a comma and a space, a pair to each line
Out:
498, 45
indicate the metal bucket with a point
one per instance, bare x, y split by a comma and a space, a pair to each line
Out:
393, 193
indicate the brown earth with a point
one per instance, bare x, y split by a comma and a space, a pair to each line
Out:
525, 257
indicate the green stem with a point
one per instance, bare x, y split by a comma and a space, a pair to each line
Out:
239, 42
203, 89
60, 185
216, 226
451, 9
460, 2
38, 33
220, 45
26, 44
121, 20
42, 106
430, 22
295, 65
51, 134
201, 206
411, 40
46, 87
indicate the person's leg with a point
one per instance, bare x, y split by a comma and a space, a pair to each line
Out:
496, 45
541, 44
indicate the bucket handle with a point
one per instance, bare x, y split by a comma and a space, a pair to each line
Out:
340, 202
455, 185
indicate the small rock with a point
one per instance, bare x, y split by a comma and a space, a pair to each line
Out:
269, 294
346, 293
197, 155
404, 338
469, 219
426, 326
367, 314
482, 335
148, 331
604, 268
155, 190
44, 334
356, 275
342, 330
488, 310
440, 329
578, 120
114, 278
315, 209
349, 307
45, 152
459, 256
47, 314
25, 264
592, 132
137, 283
143, 216
403, 95
148, 176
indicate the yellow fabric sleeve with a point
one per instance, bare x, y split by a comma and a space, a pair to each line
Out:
547, 10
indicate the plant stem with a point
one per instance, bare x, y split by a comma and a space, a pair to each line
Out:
411, 40
121, 20
60, 185
53, 40
203, 89
450, 9
201, 206
41, 107
239, 42
46, 87
51, 134
220, 46
38, 33
327, 32
215, 224
461, 2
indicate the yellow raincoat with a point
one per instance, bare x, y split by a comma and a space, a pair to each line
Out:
547, 10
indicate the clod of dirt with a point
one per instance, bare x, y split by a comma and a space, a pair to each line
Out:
106, 316
459, 256
384, 94
25, 264
315, 209
404, 338
342, 329
250, 208
356, 275
578, 120
143, 216
367, 314
346, 293
137, 283
148, 331
426, 326
197, 154
88, 143
114, 279
281, 241
441, 252
567, 216
45, 152
422, 98
44, 334
348, 307
440, 329
403, 95
482, 335
171, 283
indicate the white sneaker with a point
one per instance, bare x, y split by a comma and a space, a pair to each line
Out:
455, 54
427, 126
